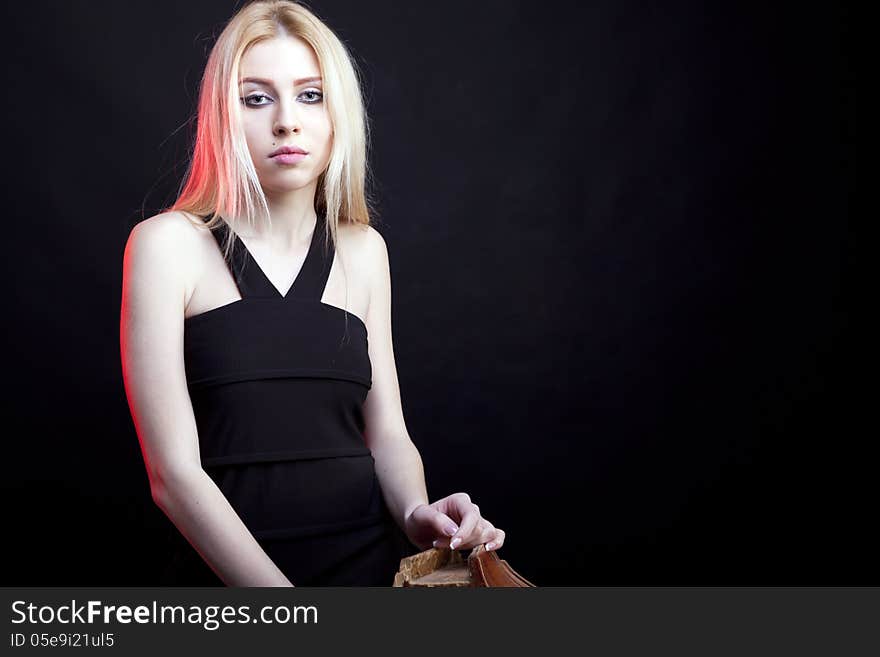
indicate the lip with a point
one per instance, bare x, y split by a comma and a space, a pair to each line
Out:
288, 158
288, 149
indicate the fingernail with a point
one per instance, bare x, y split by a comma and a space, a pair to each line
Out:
450, 530
489, 546
455, 541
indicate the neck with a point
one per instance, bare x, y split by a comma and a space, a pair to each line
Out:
292, 215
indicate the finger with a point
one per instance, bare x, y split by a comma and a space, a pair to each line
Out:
442, 524
488, 531
498, 541
483, 532
469, 521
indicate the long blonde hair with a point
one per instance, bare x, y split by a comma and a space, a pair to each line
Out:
221, 181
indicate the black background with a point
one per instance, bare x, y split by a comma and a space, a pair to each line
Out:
620, 241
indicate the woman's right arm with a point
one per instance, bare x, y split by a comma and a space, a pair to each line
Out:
154, 294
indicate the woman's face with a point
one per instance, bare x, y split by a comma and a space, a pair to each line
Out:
285, 108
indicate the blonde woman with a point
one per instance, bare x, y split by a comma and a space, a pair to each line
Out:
256, 333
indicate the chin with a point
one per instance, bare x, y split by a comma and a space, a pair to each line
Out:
282, 183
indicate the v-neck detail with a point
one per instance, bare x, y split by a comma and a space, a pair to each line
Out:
252, 280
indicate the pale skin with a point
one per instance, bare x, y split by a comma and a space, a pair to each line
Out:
173, 270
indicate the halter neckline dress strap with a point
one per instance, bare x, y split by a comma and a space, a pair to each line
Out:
252, 281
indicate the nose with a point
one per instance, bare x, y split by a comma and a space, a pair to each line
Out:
286, 119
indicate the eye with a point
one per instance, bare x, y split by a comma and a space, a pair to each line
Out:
316, 95
253, 96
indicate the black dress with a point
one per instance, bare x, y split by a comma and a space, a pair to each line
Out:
277, 385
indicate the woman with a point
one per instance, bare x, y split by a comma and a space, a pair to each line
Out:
256, 334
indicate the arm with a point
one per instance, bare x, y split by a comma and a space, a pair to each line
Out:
454, 521
154, 296
398, 463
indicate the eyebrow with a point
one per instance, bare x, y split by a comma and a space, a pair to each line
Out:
268, 83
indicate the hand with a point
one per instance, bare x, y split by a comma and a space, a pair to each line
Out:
453, 521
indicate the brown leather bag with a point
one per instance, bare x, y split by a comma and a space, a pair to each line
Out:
443, 567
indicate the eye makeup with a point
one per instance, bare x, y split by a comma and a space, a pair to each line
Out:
316, 95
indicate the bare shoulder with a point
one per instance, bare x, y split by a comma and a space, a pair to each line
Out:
166, 243
365, 247
169, 232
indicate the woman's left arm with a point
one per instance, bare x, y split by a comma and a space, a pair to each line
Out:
452, 521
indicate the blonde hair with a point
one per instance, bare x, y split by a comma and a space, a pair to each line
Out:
221, 180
